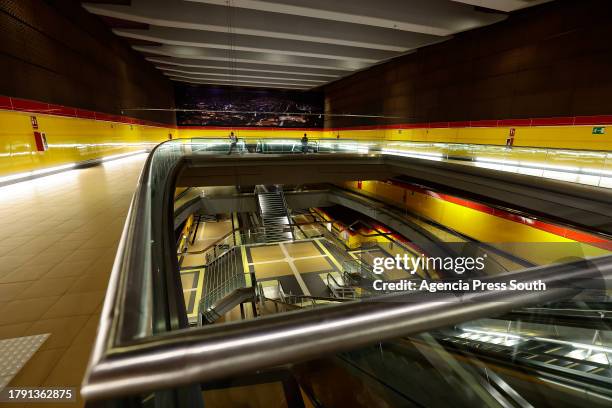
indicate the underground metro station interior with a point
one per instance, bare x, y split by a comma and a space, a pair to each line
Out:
304, 203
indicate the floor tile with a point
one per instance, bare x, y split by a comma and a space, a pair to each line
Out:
8, 291
68, 269
26, 273
90, 282
13, 330
47, 287
266, 253
28, 310
313, 265
62, 330
270, 270
75, 304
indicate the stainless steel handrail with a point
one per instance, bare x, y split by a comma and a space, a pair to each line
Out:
191, 356
128, 359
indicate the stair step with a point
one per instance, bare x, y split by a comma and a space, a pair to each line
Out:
222, 275
274, 216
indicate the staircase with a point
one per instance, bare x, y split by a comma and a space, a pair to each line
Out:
274, 216
222, 276
340, 289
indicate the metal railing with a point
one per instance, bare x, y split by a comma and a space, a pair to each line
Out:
223, 276
286, 146
144, 342
341, 291
577, 166
188, 356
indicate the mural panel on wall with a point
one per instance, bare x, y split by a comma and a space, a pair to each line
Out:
225, 106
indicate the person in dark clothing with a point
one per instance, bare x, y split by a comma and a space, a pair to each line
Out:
233, 141
305, 143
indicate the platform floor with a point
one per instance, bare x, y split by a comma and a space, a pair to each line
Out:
58, 238
297, 266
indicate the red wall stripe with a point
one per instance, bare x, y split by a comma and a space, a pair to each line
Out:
5, 103
85, 114
553, 121
593, 120
484, 123
29, 106
24, 105
514, 122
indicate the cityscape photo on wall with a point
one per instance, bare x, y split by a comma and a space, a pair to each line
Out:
222, 106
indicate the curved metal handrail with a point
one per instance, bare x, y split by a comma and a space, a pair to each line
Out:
144, 298
190, 356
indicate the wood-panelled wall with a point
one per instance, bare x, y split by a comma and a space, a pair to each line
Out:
55, 51
549, 60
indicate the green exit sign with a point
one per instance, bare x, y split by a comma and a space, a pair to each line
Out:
600, 130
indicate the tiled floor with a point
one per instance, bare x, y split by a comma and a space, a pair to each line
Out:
58, 237
292, 264
208, 234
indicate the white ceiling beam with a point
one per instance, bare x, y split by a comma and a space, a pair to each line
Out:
251, 57
235, 73
209, 39
433, 17
225, 65
243, 84
194, 16
242, 79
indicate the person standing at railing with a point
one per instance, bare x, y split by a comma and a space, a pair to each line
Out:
305, 143
233, 141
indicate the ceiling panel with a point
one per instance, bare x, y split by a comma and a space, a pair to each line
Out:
208, 39
174, 70
293, 43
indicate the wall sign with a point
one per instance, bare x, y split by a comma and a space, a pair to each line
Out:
41, 142
599, 130
34, 122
